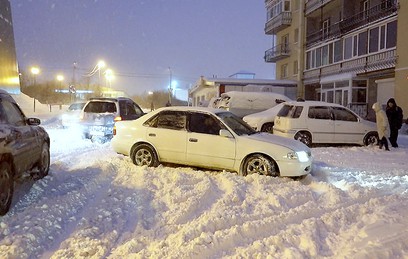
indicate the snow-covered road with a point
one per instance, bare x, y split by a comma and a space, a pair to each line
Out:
97, 204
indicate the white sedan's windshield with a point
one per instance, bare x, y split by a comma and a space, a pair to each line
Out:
236, 124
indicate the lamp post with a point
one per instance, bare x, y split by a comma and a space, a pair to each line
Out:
35, 71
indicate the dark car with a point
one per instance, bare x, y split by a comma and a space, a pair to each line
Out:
99, 115
24, 148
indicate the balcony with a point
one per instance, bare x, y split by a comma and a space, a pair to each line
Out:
385, 9
323, 34
361, 19
313, 5
370, 63
276, 53
278, 23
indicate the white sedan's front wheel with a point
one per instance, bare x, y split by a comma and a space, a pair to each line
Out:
259, 164
145, 155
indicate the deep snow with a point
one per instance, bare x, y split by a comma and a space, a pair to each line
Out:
97, 204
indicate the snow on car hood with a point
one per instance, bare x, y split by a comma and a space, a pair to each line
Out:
286, 142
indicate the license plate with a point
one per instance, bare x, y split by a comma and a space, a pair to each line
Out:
99, 130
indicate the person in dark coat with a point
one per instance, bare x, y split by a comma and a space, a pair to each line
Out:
395, 117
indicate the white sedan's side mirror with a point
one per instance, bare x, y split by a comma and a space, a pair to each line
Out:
225, 133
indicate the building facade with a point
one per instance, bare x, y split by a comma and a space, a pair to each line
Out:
347, 51
9, 76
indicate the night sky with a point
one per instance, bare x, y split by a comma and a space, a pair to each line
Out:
141, 40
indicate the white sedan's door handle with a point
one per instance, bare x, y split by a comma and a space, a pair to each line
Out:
152, 135
193, 140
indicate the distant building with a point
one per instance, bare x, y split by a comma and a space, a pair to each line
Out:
347, 52
9, 76
206, 89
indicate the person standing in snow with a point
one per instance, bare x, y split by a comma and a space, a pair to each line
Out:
395, 117
383, 127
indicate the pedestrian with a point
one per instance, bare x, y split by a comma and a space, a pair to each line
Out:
395, 117
383, 127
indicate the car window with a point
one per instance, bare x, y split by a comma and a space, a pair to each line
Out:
129, 110
13, 114
284, 111
239, 126
343, 114
290, 111
76, 106
100, 107
319, 112
204, 123
168, 120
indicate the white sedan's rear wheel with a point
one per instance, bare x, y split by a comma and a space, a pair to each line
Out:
259, 164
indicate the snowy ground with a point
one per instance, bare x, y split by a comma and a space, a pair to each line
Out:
97, 204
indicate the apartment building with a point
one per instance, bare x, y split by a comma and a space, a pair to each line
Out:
9, 76
347, 52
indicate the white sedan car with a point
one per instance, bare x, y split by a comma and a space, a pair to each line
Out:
208, 138
264, 120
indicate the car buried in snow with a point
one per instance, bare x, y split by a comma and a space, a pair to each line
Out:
209, 138
24, 148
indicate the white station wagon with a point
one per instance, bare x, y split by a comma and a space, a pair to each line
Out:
321, 122
208, 138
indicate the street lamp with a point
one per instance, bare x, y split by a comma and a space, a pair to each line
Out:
35, 71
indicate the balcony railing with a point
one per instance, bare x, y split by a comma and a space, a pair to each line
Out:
332, 31
313, 5
278, 23
375, 13
276, 53
373, 62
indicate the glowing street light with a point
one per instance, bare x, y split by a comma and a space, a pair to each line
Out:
35, 71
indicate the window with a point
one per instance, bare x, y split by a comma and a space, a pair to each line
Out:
295, 67
325, 55
204, 123
326, 27
362, 43
284, 71
348, 47
296, 36
338, 51
168, 120
382, 37
391, 34
13, 114
373, 47
100, 107
318, 57
290, 111
342, 114
319, 112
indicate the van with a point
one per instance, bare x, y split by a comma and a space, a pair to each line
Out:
244, 103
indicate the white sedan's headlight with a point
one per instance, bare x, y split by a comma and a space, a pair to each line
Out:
302, 156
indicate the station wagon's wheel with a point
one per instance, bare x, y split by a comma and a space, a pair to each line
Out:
259, 164
371, 138
267, 127
145, 155
304, 137
44, 162
6, 187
